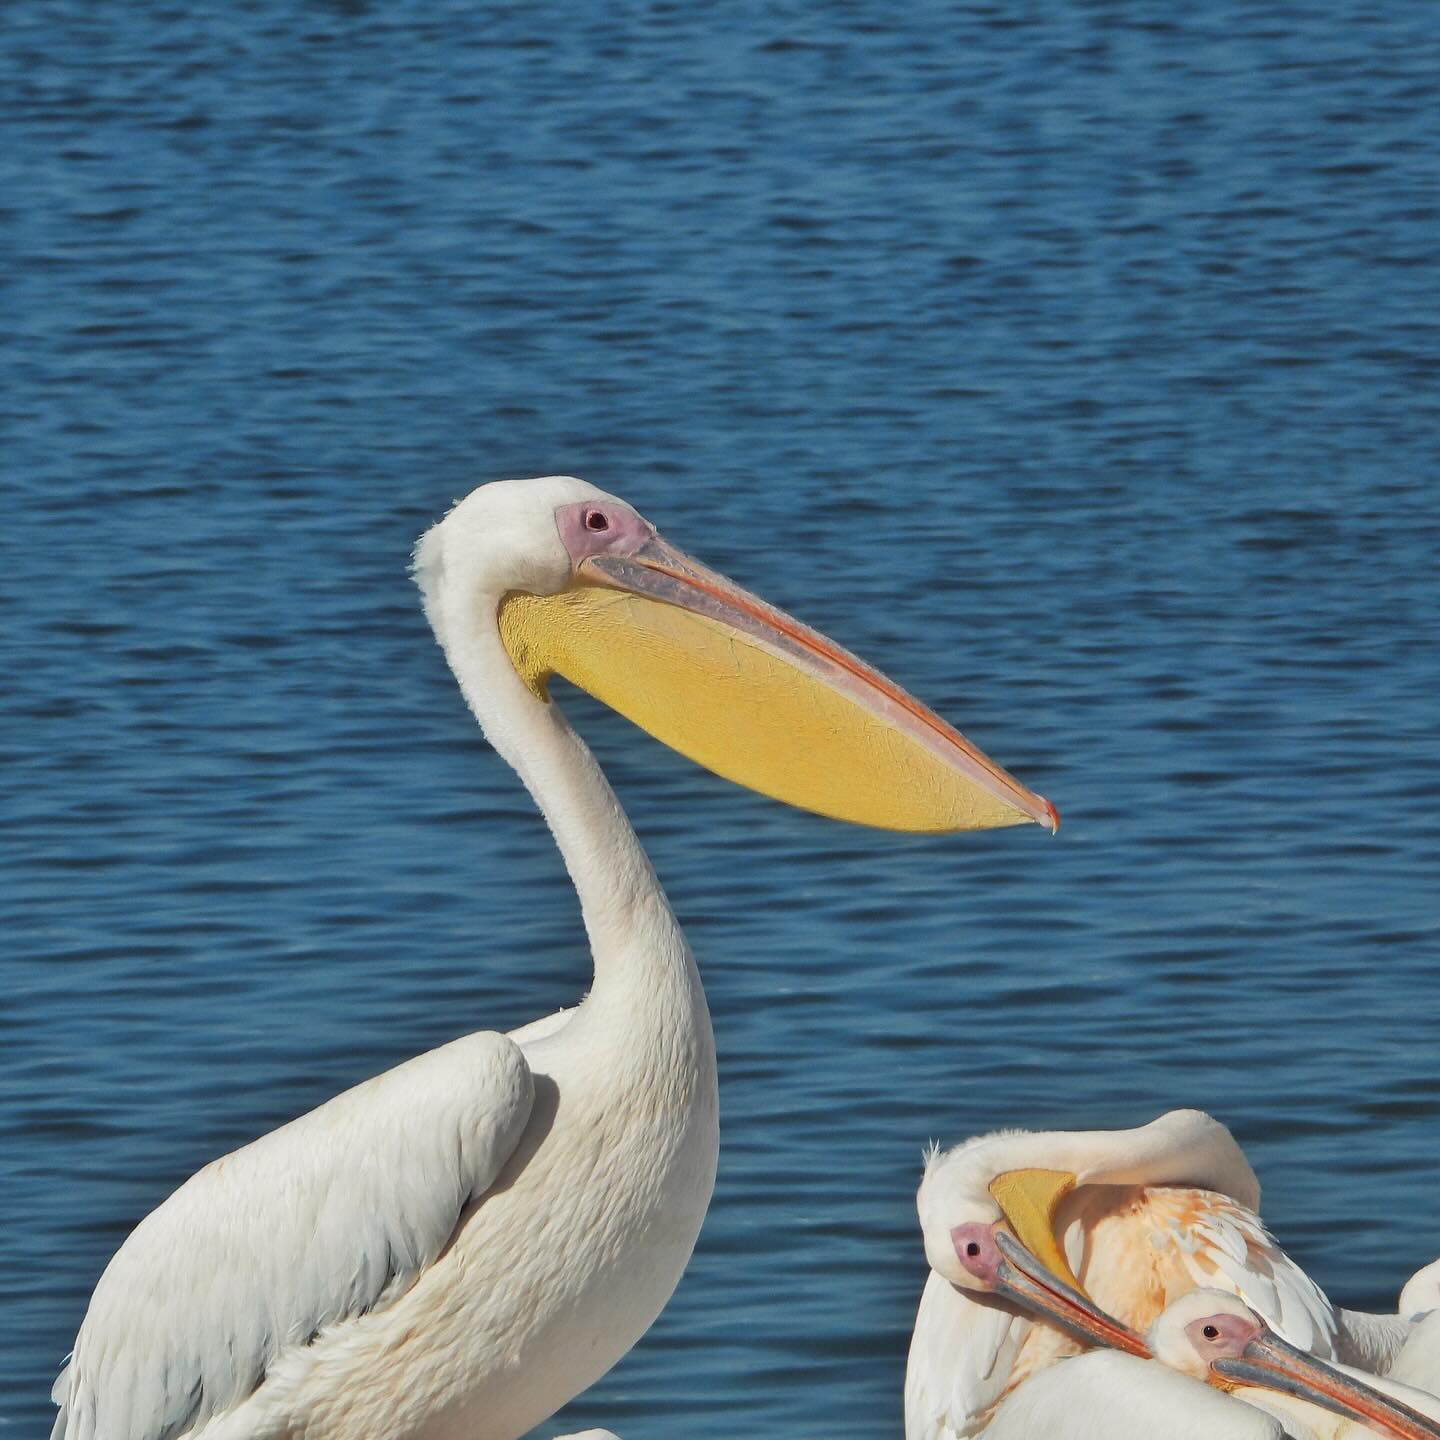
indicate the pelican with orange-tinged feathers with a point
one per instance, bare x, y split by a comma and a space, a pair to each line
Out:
1129, 1219
458, 1246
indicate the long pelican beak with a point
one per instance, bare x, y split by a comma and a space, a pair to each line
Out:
1274, 1364
1028, 1284
752, 694
1029, 1199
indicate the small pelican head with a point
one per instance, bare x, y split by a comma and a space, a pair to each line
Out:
1217, 1338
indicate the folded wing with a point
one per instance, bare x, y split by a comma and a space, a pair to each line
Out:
325, 1219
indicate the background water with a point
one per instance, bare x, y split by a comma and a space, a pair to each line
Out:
1075, 362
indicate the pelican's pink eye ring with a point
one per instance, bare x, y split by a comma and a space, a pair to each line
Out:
588, 527
1225, 1335
976, 1250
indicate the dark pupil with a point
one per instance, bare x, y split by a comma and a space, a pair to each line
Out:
972, 1249
1211, 1332
594, 520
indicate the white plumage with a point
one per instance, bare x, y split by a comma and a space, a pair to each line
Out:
357, 1198
1105, 1395
341, 1276
1418, 1361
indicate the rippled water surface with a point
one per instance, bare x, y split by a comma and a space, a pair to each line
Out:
1075, 362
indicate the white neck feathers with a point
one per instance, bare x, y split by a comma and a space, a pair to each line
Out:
634, 938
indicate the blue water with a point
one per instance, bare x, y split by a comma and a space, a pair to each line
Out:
1075, 362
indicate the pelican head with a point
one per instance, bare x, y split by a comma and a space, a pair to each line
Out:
576, 583
1200, 1327
500, 538
1215, 1337
979, 1183
979, 1230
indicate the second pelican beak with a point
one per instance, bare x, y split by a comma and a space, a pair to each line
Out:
1035, 1290
755, 696
1274, 1364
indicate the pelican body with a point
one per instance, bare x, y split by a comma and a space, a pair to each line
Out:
453, 1249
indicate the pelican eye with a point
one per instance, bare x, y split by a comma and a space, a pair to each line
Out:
972, 1249
1211, 1332
596, 520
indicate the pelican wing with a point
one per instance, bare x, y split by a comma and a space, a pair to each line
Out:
322, 1220
961, 1355
1224, 1245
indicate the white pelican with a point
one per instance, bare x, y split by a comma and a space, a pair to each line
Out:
1213, 1337
457, 1247
1216, 1337
1140, 1216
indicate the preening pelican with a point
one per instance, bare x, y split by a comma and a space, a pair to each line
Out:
460, 1245
1129, 1219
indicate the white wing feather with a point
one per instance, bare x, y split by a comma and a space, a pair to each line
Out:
324, 1219
961, 1355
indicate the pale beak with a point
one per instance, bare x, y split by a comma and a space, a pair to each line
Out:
1028, 1284
1274, 1364
757, 697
